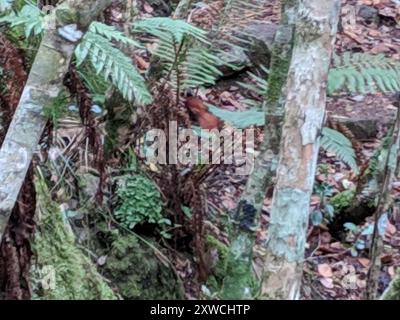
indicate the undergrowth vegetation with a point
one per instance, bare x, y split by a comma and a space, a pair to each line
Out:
134, 229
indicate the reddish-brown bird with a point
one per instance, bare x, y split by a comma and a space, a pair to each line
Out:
206, 120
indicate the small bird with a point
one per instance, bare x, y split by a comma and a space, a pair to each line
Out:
197, 108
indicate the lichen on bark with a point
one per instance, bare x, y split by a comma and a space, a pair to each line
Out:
305, 108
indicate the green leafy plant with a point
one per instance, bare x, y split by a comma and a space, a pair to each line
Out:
359, 236
29, 17
97, 45
335, 142
342, 200
239, 119
364, 73
138, 202
5, 5
257, 86
183, 50
324, 190
109, 61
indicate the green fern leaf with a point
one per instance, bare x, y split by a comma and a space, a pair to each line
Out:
335, 142
364, 73
30, 17
183, 50
113, 65
240, 120
5, 5
110, 33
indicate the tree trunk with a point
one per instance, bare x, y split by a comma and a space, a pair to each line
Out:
43, 86
247, 216
305, 109
385, 203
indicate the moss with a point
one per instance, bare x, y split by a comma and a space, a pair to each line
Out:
239, 281
342, 200
139, 202
280, 64
136, 271
393, 292
278, 74
61, 271
220, 269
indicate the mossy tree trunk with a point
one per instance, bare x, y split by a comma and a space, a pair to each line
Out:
237, 281
316, 28
43, 86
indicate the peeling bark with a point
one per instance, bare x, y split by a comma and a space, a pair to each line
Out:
43, 86
305, 109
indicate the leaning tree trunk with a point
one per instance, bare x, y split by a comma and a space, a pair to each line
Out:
247, 215
305, 109
43, 86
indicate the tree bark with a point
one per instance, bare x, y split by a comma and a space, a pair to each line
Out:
43, 86
305, 109
385, 203
247, 216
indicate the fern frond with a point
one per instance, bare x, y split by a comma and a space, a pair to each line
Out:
257, 86
5, 5
165, 28
364, 73
335, 142
114, 65
30, 17
199, 68
184, 51
376, 164
111, 33
239, 119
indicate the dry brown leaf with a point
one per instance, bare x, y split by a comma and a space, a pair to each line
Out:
392, 271
364, 262
325, 270
362, 284
148, 8
327, 283
390, 229
141, 63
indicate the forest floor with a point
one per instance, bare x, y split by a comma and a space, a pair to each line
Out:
336, 263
